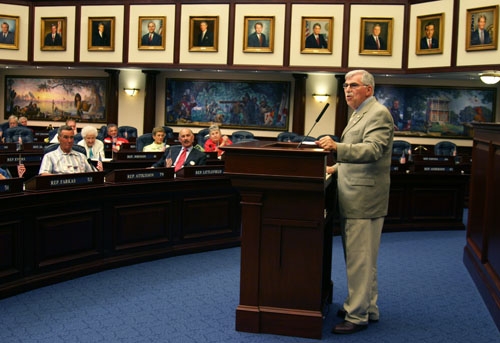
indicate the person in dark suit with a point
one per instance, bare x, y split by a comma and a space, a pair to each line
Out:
316, 40
371, 39
429, 42
151, 38
100, 37
257, 39
173, 155
6, 37
205, 38
363, 182
480, 35
53, 38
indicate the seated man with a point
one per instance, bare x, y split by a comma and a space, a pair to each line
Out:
216, 140
158, 144
112, 137
71, 123
64, 160
178, 156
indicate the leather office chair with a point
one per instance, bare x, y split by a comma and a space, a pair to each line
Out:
335, 138
445, 148
127, 132
202, 136
245, 140
54, 146
11, 135
143, 140
4, 126
102, 133
169, 133
78, 137
399, 147
286, 136
240, 135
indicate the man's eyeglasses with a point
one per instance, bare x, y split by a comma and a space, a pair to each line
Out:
353, 85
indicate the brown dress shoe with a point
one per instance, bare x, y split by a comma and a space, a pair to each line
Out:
347, 327
341, 313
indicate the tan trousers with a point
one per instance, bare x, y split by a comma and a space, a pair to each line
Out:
361, 240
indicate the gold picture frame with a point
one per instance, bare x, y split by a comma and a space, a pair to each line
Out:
367, 43
258, 34
320, 44
53, 34
101, 40
9, 32
204, 34
151, 34
487, 17
430, 34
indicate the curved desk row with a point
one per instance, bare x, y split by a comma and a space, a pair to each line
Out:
49, 236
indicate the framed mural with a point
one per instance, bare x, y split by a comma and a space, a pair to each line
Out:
53, 34
483, 30
56, 99
204, 34
439, 112
317, 35
101, 35
376, 36
258, 34
151, 33
430, 33
260, 105
9, 36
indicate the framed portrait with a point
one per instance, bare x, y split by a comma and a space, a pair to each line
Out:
317, 35
437, 112
101, 36
482, 29
430, 33
258, 34
54, 34
152, 33
376, 36
9, 36
204, 34
238, 104
56, 98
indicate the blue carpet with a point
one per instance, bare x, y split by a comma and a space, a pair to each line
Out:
426, 295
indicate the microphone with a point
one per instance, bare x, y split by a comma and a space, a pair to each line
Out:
92, 165
317, 120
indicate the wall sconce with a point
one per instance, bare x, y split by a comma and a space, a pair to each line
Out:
490, 77
131, 91
321, 97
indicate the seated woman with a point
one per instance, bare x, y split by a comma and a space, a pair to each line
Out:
216, 140
94, 147
158, 144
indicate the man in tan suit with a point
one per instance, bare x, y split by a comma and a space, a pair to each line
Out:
363, 174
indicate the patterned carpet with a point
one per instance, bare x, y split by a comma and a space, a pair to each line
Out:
426, 295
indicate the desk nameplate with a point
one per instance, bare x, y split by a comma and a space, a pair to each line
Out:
201, 171
13, 159
127, 155
139, 175
59, 181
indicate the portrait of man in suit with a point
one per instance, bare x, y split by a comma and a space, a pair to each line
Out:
257, 38
7, 34
203, 34
376, 36
316, 40
375, 40
429, 41
258, 33
53, 34
101, 34
152, 37
480, 35
482, 28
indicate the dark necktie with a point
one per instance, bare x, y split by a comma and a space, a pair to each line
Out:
181, 160
378, 43
317, 40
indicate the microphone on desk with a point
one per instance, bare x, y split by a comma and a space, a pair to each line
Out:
92, 165
317, 120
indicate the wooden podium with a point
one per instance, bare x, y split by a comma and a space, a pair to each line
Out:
287, 209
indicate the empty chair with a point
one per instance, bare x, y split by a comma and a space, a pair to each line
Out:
240, 135
286, 136
78, 137
445, 148
127, 132
202, 136
245, 140
11, 135
143, 140
4, 126
101, 133
300, 138
169, 133
399, 147
335, 138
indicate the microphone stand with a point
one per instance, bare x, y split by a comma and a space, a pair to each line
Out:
317, 120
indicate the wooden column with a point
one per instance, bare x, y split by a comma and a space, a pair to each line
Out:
112, 96
150, 100
299, 104
341, 109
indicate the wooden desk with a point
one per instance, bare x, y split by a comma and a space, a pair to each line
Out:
48, 237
